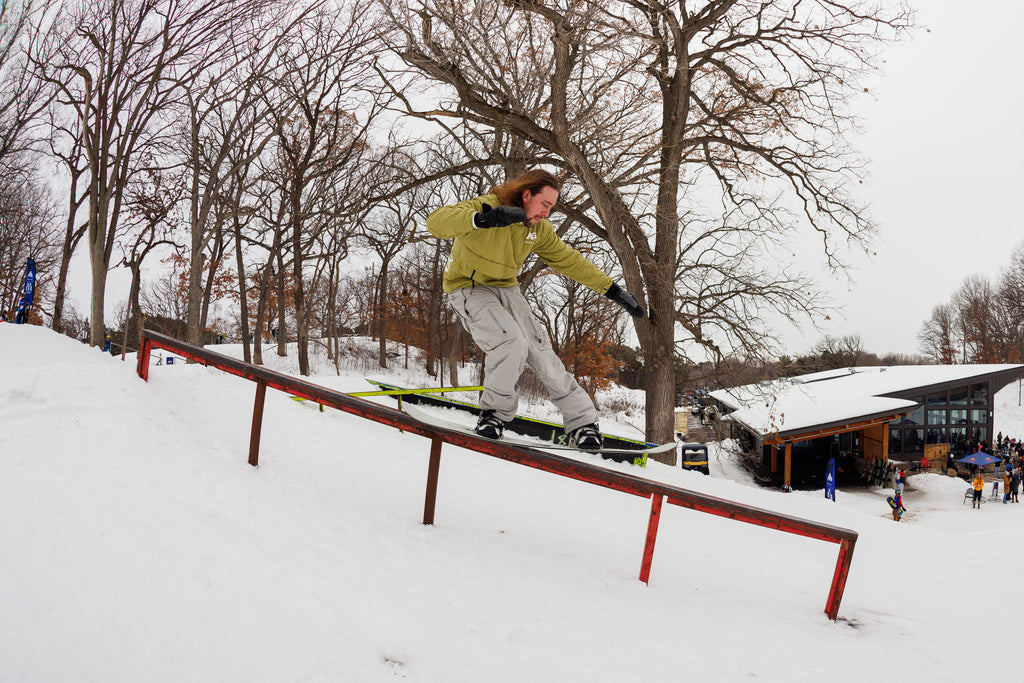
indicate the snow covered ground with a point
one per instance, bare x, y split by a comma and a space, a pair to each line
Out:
136, 544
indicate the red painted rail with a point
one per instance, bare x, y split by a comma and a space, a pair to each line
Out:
658, 493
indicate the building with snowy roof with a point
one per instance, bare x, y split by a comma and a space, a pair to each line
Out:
790, 428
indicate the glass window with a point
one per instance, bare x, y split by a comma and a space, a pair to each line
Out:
937, 417
979, 394
937, 399
979, 417
958, 396
938, 435
913, 440
894, 440
958, 417
916, 416
977, 434
958, 436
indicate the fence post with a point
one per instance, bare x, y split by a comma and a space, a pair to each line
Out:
257, 423
652, 535
432, 471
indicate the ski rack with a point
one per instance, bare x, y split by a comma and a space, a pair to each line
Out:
657, 492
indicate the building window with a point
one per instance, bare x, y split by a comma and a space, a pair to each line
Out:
913, 440
894, 440
958, 437
977, 434
936, 417
958, 396
979, 417
916, 416
938, 435
936, 399
958, 417
979, 394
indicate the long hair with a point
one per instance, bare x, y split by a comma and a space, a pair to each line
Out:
511, 192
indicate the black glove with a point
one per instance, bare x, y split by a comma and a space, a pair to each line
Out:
624, 299
499, 216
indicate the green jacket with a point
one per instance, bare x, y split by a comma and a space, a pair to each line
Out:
494, 256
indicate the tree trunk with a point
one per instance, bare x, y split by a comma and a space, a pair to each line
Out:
244, 312
133, 307
301, 324
282, 347
380, 326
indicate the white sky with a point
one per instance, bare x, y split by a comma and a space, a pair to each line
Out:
943, 142
942, 134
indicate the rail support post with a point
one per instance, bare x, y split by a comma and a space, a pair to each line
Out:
142, 362
835, 593
652, 535
432, 471
257, 423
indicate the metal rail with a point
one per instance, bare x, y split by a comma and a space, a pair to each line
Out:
657, 492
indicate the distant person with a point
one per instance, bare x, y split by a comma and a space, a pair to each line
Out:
21, 315
1007, 480
979, 485
106, 345
901, 481
1015, 484
897, 507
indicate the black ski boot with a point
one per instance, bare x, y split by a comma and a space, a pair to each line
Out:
587, 438
489, 426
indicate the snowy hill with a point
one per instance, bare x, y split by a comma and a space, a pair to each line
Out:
136, 544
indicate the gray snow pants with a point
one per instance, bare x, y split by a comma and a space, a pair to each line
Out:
501, 323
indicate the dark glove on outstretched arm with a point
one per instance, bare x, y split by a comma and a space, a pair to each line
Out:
625, 299
498, 216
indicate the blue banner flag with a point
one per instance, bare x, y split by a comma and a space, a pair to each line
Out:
30, 281
830, 480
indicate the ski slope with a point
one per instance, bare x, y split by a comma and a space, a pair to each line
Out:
136, 544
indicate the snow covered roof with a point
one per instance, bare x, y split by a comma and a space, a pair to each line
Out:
795, 404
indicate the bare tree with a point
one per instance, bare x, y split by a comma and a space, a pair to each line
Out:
151, 200
28, 229
973, 304
22, 97
320, 146
119, 68
696, 140
937, 337
229, 125
1009, 307
839, 352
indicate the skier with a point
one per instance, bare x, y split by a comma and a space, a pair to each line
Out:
493, 236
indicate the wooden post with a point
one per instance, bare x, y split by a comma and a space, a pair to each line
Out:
775, 458
257, 423
788, 476
433, 468
652, 535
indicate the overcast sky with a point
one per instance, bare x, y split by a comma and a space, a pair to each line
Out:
943, 138
943, 134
